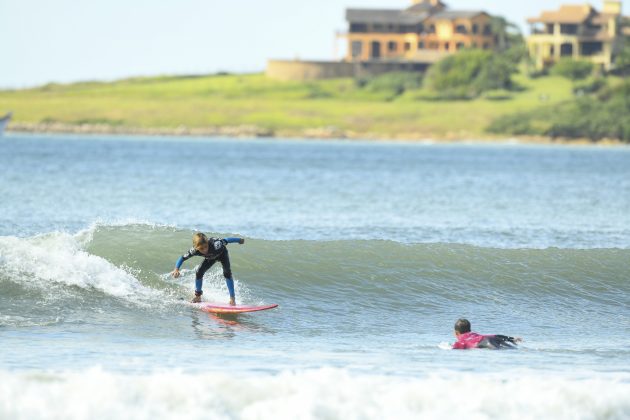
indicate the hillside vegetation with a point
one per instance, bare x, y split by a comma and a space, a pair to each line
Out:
398, 105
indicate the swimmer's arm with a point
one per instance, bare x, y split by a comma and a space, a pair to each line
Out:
514, 340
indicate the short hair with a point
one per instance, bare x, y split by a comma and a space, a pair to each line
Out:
199, 239
462, 326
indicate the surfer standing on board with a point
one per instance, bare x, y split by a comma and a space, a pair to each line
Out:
471, 340
213, 250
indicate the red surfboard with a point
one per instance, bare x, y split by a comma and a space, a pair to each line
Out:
218, 308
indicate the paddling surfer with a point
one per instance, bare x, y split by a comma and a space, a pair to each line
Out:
466, 339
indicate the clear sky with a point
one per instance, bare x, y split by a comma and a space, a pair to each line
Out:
69, 40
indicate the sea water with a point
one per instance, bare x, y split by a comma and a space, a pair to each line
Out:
372, 251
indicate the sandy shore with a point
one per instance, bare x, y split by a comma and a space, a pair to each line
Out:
249, 131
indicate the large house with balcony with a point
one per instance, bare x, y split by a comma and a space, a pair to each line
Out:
578, 32
424, 30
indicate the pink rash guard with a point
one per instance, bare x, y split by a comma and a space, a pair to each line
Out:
468, 340
472, 340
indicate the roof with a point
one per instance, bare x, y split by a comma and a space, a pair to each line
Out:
603, 17
383, 16
458, 14
426, 6
395, 16
566, 14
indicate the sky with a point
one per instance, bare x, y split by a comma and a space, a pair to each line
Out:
74, 40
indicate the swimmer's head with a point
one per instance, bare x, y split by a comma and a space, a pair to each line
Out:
462, 326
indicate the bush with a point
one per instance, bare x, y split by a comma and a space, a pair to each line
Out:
605, 115
592, 85
468, 74
393, 84
573, 69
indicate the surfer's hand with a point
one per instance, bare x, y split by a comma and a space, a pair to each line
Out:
518, 340
175, 273
232, 302
241, 241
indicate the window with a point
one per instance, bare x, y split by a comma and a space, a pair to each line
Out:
407, 46
486, 46
376, 49
447, 46
421, 45
566, 50
461, 29
591, 30
358, 27
460, 45
431, 29
568, 29
591, 48
475, 28
357, 49
391, 46
487, 30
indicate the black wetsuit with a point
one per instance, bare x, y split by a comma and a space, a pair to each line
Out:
217, 251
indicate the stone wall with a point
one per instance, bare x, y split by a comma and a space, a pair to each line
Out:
316, 70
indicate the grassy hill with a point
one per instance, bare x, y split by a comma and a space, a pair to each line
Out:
332, 107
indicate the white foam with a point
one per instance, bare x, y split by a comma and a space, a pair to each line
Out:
59, 258
214, 287
313, 394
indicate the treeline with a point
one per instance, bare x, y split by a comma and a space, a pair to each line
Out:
599, 109
603, 115
463, 76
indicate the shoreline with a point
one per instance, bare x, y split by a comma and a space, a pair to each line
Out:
321, 133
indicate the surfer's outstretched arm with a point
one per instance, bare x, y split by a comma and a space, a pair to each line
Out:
233, 241
513, 340
503, 341
181, 260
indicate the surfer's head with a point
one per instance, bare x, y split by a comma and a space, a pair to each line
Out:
462, 326
200, 242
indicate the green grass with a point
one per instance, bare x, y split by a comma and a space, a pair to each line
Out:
283, 107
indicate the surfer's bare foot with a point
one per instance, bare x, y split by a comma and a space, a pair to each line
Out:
232, 301
196, 299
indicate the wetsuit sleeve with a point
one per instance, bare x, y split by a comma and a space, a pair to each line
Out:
191, 252
505, 338
231, 240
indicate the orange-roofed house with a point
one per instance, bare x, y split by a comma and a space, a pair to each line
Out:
425, 30
578, 32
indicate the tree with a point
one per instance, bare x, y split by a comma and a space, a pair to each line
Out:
622, 62
506, 33
468, 74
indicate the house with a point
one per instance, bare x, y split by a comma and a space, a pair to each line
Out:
425, 29
386, 40
578, 32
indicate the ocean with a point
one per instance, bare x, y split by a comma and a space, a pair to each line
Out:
371, 249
